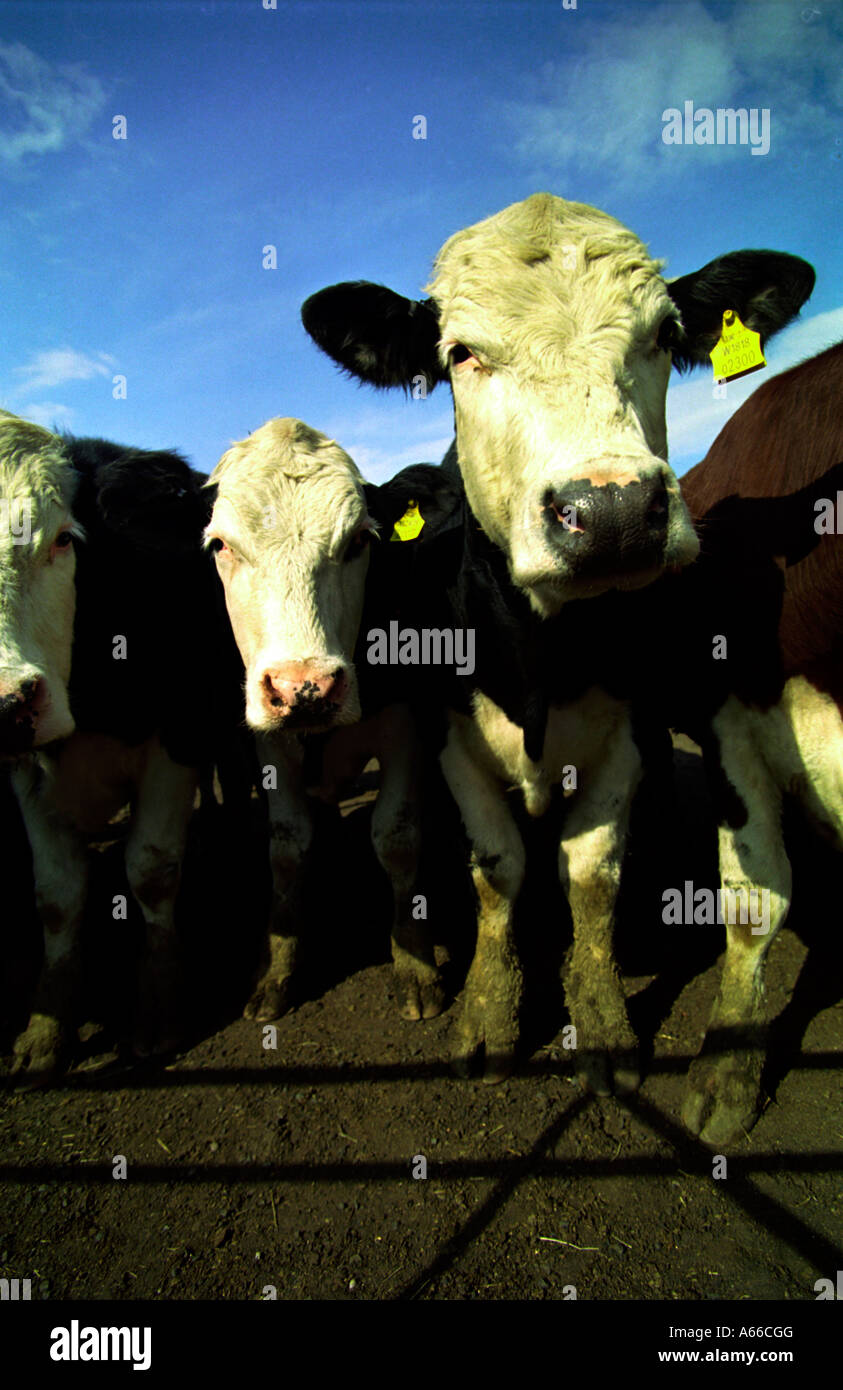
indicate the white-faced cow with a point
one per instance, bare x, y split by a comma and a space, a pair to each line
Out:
557, 333
106, 616
291, 530
766, 600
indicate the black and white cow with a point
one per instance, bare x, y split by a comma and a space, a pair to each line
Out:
108, 610
557, 334
756, 677
291, 533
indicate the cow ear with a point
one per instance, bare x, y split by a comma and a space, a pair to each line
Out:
375, 334
152, 499
766, 288
435, 493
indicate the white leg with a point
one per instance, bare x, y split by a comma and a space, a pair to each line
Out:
60, 869
396, 837
154, 854
722, 1099
591, 855
290, 840
492, 995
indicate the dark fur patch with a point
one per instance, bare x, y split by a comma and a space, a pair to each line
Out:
767, 288
141, 574
376, 334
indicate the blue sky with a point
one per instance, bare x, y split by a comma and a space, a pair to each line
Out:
249, 126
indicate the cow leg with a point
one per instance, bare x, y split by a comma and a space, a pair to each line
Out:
60, 870
722, 1097
492, 994
396, 837
154, 854
290, 841
590, 861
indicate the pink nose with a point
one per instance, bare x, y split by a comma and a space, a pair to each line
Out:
296, 686
20, 707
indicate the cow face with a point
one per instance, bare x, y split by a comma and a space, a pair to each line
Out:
37, 590
290, 530
557, 333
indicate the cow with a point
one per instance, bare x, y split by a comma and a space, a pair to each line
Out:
292, 537
107, 613
766, 600
557, 332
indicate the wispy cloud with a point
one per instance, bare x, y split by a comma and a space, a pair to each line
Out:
59, 365
695, 417
379, 465
51, 415
601, 107
383, 438
43, 106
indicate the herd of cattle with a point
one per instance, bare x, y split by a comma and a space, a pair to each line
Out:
606, 606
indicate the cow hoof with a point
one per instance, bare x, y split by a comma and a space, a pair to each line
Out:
39, 1051
489, 1023
159, 1012
270, 999
422, 996
722, 1100
494, 1067
486, 1044
150, 1041
626, 1074
609, 1073
595, 1072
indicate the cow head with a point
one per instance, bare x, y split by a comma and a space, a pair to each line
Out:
37, 589
290, 530
557, 333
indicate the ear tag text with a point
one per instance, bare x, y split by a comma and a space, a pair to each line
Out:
739, 350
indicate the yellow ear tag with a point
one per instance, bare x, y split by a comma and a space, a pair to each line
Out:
407, 527
738, 352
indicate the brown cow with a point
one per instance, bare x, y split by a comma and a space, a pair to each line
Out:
770, 582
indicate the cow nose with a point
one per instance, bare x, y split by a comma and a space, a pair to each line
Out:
300, 693
19, 711
608, 526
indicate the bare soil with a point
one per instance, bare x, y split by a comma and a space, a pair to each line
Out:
292, 1167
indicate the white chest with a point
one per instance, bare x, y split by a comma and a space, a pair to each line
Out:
575, 739
91, 778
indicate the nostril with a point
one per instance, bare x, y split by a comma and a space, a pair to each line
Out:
563, 514
657, 512
300, 689
270, 692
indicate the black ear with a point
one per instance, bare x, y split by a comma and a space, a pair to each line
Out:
376, 334
147, 498
435, 493
767, 288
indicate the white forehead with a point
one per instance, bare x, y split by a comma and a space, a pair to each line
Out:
542, 273
35, 478
292, 473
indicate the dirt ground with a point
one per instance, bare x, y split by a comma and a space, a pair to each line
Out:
250, 1169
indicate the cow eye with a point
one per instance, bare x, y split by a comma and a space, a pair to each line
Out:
358, 543
460, 356
217, 546
667, 337
62, 544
